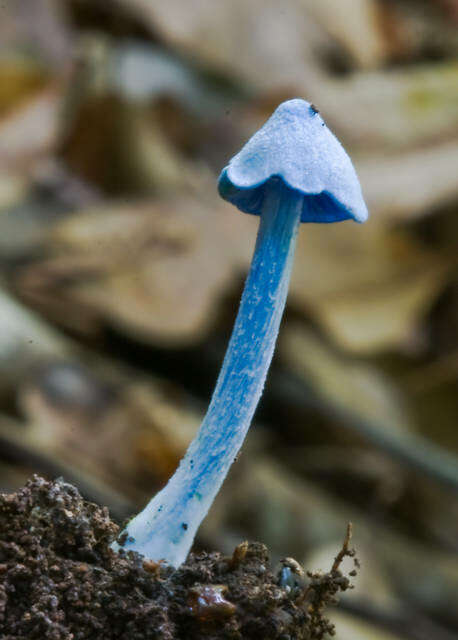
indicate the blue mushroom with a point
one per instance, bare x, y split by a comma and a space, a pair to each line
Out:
292, 170
295, 148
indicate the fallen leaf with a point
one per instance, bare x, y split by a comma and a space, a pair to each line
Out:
410, 184
370, 286
156, 270
355, 26
255, 41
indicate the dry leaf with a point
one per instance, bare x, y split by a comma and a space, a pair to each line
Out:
411, 184
368, 286
392, 110
259, 42
355, 25
157, 270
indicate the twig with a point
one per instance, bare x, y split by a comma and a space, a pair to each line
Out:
344, 552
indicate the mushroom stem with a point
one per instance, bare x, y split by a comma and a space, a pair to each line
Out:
165, 529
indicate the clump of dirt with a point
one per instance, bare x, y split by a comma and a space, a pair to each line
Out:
59, 580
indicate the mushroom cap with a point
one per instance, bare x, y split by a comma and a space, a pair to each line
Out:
296, 147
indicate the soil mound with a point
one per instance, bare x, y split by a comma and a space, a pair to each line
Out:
59, 580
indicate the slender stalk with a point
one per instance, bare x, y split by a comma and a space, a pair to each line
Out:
167, 526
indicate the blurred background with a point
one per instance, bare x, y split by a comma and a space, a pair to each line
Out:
121, 271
